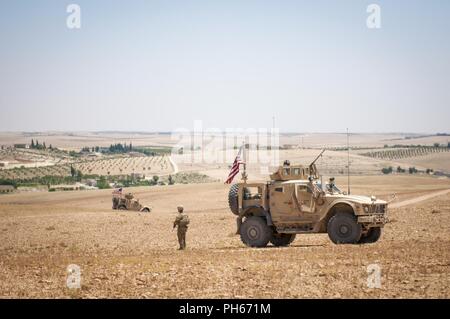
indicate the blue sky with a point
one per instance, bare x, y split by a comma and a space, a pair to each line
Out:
160, 65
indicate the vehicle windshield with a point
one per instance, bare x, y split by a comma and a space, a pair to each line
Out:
331, 188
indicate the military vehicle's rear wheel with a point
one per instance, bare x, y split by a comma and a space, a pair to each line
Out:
233, 199
343, 228
281, 240
255, 232
372, 236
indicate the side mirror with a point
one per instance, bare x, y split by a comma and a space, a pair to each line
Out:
344, 193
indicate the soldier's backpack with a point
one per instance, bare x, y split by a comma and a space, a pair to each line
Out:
184, 220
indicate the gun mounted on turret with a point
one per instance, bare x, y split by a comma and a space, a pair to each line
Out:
312, 167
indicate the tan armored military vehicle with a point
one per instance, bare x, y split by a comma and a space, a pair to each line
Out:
295, 202
128, 202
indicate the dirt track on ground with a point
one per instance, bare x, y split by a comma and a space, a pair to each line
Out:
419, 199
127, 254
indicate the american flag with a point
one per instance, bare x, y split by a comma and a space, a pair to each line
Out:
235, 167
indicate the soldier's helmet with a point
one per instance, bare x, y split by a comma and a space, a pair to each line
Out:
180, 208
287, 163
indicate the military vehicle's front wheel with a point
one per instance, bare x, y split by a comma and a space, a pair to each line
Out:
255, 232
372, 236
343, 228
281, 240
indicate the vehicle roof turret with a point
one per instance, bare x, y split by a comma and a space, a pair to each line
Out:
288, 172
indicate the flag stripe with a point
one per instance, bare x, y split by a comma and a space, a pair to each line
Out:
234, 168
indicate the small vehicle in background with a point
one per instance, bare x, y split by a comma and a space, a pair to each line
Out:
128, 202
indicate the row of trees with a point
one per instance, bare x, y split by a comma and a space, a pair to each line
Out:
416, 145
120, 148
37, 146
393, 154
103, 182
113, 148
411, 170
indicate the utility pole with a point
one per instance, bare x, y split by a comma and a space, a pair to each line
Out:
244, 158
348, 165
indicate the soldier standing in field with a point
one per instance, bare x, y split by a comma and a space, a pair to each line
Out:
182, 222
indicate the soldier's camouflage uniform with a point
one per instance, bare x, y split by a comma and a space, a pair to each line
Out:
181, 222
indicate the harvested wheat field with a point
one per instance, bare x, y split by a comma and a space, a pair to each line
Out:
129, 254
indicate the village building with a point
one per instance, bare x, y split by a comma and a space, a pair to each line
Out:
22, 146
6, 189
91, 182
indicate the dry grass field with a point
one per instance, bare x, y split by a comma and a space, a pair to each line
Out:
144, 165
127, 165
128, 254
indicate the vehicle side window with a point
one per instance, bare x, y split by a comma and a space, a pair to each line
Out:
279, 189
287, 171
304, 188
296, 171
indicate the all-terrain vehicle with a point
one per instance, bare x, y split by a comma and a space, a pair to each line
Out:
294, 202
128, 202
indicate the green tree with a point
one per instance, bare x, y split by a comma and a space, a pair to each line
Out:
171, 180
102, 183
79, 175
155, 179
73, 171
32, 143
400, 170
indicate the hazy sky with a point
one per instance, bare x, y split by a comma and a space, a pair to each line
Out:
160, 65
